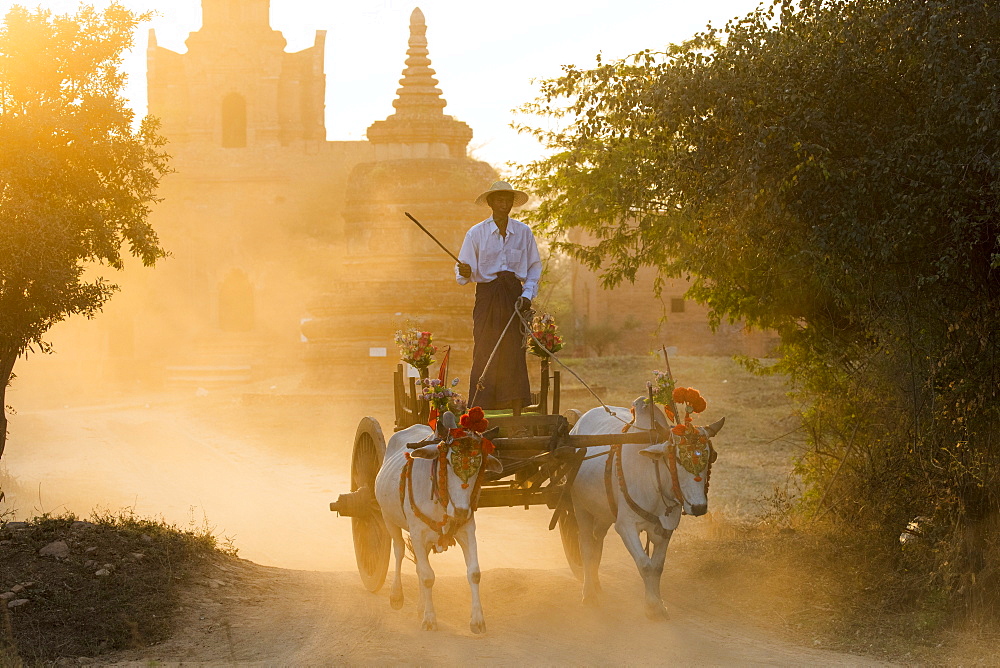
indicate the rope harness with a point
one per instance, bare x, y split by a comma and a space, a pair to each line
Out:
614, 465
489, 361
527, 331
615, 461
439, 495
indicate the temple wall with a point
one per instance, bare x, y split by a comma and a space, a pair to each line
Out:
646, 322
291, 254
391, 274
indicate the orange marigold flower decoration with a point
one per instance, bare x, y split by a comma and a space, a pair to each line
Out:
683, 395
692, 397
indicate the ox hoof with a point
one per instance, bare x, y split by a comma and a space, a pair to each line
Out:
657, 613
591, 601
478, 627
396, 601
429, 625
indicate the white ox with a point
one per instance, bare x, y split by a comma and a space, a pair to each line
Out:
413, 502
655, 492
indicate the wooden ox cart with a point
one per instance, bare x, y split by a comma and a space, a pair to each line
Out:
540, 460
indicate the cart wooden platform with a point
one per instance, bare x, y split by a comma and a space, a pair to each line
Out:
539, 456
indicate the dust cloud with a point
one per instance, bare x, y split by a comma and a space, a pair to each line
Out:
260, 462
261, 475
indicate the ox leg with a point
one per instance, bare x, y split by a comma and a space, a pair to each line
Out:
599, 533
399, 549
591, 547
467, 539
656, 609
648, 569
426, 576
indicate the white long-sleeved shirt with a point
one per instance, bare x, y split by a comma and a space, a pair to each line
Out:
488, 254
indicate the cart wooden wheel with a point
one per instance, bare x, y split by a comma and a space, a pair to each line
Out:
570, 534
371, 539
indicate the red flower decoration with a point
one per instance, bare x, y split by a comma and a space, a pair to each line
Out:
475, 420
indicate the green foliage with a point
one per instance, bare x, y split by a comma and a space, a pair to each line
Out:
600, 337
829, 169
76, 179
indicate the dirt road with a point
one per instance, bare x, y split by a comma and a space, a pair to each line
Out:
187, 458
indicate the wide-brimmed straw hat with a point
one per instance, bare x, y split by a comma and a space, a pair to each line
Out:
520, 198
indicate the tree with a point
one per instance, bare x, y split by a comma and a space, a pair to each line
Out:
76, 179
829, 169
600, 336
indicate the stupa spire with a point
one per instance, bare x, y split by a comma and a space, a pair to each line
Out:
419, 118
418, 94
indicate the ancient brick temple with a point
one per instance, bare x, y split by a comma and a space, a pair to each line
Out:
290, 254
286, 246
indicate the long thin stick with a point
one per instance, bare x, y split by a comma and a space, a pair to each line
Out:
670, 375
432, 237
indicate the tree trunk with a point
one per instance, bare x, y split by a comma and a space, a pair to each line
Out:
6, 368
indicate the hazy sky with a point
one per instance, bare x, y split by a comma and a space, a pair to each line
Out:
485, 54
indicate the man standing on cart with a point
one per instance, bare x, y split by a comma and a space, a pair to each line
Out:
501, 257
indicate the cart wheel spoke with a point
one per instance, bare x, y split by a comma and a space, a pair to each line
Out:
371, 539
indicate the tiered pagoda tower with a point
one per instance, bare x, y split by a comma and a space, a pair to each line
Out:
391, 274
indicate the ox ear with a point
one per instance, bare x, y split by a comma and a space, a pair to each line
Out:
493, 464
426, 452
654, 451
715, 427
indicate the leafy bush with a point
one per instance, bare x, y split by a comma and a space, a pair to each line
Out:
829, 169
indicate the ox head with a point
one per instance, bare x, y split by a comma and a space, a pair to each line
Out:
688, 457
462, 456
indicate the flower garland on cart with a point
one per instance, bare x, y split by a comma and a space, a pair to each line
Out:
415, 348
441, 398
545, 332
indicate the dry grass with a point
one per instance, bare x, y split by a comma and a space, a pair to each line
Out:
117, 586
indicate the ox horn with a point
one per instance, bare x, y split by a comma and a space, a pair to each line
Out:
493, 465
715, 427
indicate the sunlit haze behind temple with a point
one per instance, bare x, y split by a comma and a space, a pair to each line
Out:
485, 54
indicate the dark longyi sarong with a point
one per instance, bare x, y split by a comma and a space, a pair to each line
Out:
506, 379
